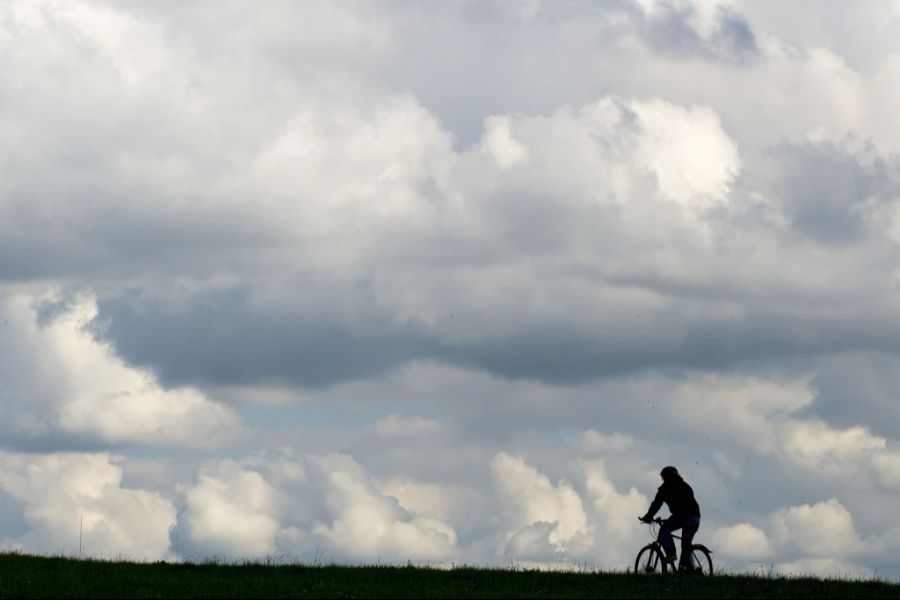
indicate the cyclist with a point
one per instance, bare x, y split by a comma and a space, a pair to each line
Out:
679, 497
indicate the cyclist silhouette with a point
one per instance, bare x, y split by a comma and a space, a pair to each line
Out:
679, 497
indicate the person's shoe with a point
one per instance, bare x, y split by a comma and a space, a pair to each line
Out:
670, 560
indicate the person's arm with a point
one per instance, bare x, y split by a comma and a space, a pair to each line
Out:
654, 506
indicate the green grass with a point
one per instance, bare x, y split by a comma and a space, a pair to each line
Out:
24, 576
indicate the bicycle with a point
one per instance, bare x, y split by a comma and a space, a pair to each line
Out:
650, 558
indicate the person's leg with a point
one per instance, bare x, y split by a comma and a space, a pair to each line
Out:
689, 528
665, 536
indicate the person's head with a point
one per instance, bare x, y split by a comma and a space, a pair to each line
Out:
669, 473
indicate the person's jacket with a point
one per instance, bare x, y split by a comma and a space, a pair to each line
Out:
678, 496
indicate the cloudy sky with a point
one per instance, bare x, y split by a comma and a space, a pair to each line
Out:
450, 282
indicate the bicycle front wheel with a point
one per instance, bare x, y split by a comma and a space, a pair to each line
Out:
702, 560
649, 561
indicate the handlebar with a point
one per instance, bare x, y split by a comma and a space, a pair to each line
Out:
657, 520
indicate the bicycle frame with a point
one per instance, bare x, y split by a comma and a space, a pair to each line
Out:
654, 529
654, 532
656, 547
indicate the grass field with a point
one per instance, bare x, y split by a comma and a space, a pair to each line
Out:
24, 576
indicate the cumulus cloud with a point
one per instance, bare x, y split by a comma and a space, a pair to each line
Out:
743, 541
429, 500
613, 515
769, 416
542, 516
365, 523
822, 529
812, 539
498, 142
887, 465
824, 567
65, 498
754, 406
692, 158
62, 383
815, 444
294, 506
228, 512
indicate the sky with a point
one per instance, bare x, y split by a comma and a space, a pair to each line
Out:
450, 282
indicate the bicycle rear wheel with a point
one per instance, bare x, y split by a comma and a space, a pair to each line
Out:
649, 561
702, 561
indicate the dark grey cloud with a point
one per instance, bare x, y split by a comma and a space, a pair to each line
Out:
858, 389
669, 30
219, 339
831, 194
101, 231
222, 338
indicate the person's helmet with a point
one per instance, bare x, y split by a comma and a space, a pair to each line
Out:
668, 473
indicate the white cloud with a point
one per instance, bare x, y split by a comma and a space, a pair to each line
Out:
64, 381
693, 160
363, 523
499, 143
230, 511
816, 445
824, 567
596, 441
749, 409
335, 168
767, 416
742, 541
887, 466
603, 151
541, 516
614, 515
824, 529
307, 506
67, 496
428, 500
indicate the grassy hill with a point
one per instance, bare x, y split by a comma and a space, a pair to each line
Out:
24, 576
